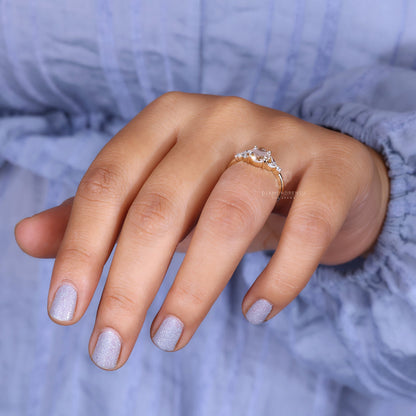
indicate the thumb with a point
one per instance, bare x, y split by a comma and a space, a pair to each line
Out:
41, 235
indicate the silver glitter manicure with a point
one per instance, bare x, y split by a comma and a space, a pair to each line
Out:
63, 305
168, 333
259, 311
107, 349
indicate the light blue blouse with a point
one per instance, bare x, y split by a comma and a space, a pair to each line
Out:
72, 73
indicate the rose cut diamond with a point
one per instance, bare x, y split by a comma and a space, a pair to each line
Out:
260, 154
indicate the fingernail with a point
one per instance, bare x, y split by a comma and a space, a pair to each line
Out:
259, 311
63, 305
168, 333
107, 349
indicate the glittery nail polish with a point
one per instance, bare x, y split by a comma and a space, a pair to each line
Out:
107, 349
63, 305
259, 311
168, 333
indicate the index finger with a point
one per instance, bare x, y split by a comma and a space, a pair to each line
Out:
102, 200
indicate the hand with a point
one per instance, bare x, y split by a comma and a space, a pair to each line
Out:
161, 184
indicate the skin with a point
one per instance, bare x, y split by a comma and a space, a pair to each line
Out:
162, 185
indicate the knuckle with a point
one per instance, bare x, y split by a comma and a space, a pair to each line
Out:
100, 184
345, 158
189, 294
284, 286
234, 103
314, 227
287, 127
77, 254
120, 301
152, 215
230, 217
170, 99
348, 154
231, 107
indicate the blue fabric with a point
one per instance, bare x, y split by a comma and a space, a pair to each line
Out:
72, 73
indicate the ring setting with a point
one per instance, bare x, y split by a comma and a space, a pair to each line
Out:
262, 158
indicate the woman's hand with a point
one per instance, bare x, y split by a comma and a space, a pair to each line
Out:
162, 184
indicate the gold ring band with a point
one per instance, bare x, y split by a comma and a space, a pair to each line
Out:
261, 158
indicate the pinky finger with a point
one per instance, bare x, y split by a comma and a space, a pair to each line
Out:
316, 216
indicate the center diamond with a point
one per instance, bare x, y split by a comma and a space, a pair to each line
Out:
261, 154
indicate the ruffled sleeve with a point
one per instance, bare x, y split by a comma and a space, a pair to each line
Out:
356, 322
